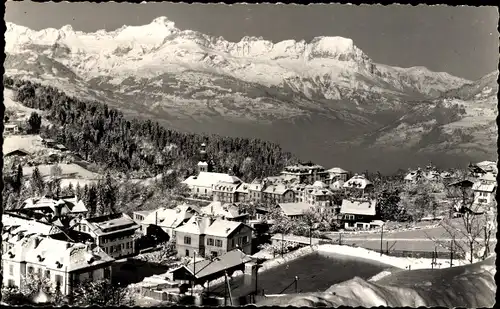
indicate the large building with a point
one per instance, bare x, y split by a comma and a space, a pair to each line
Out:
206, 236
64, 264
114, 233
306, 172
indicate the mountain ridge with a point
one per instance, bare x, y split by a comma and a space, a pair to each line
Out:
324, 93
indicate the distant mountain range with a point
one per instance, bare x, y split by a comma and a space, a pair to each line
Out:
324, 100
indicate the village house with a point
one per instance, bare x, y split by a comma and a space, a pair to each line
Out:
488, 166
358, 213
62, 263
255, 191
69, 206
358, 186
277, 193
225, 211
484, 192
318, 194
114, 233
10, 128
139, 215
208, 237
414, 176
168, 219
225, 192
305, 172
15, 227
294, 210
336, 173
19, 152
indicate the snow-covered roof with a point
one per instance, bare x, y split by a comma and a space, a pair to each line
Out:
358, 182
208, 179
195, 225
223, 186
337, 170
294, 209
276, 189
222, 228
319, 184
20, 224
243, 188
337, 185
57, 254
358, 207
112, 223
226, 210
168, 218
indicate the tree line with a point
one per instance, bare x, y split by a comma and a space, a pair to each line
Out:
103, 135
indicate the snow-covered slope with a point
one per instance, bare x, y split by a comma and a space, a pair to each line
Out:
318, 92
470, 286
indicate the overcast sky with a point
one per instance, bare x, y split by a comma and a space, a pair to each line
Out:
462, 41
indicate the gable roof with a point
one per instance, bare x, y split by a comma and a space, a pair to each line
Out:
337, 170
225, 261
195, 225
208, 179
294, 209
20, 151
222, 228
358, 207
358, 182
226, 210
276, 189
169, 218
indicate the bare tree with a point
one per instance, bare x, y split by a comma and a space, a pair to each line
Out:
471, 231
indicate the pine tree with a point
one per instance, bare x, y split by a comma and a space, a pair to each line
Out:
37, 182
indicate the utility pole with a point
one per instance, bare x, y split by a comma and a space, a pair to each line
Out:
310, 235
296, 284
381, 240
225, 289
451, 254
282, 242
194, 273
387, 247
340, 239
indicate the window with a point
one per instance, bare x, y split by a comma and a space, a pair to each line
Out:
11, 283
59, 280
107, 272
91, 275
47, 274
210, 241
128, 245
233, 243
218, 243
214, 253
30, 269
187, 240
245, 240
111, 249
40, 272
205, 190
11, 270
187, 252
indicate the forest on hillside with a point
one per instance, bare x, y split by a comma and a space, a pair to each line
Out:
104, 136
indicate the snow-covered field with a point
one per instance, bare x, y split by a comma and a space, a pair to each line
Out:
21, 111
69, 171
399, 262
31, 143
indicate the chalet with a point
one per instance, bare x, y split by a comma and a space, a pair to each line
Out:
64, 264
69, 206
488, 166
336, 173
305, 172
357, 213
318, 194
484, 191
278, 193
11, 129
206, 236
358, 184
168, 219
225, 211
114, 233
414, 176
17, 153
15, 227
294, 210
